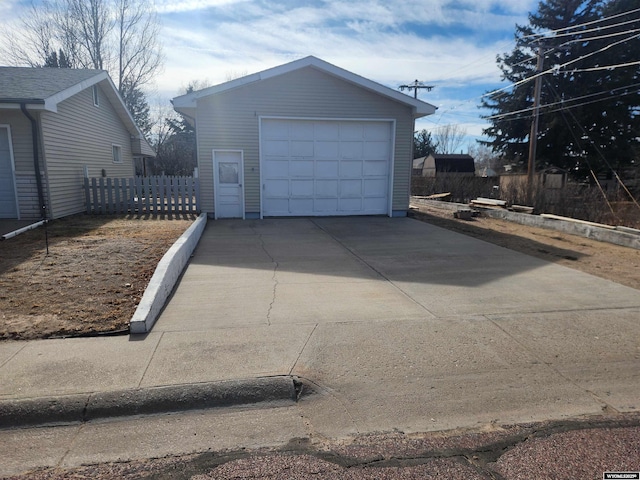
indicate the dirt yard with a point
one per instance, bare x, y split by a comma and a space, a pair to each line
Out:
90, 282
620, 264
98, 267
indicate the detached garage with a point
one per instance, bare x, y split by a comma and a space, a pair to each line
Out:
303, 139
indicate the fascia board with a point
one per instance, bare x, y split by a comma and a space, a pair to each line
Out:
419, 107
51, 103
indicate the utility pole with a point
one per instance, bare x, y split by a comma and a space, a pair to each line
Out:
415, 86
533, 136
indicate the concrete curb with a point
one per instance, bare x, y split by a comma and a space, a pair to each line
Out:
144, 401
617, 237
165, 277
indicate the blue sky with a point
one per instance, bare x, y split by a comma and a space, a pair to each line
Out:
449, 44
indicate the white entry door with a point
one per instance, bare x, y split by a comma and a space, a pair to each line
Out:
8, 200
228, 173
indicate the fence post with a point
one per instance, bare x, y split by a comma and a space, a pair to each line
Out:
87, 195
197, 193
110, 205
116, 194
139, 194
154, 203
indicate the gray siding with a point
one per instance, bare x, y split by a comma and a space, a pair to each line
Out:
230, 120
81, 134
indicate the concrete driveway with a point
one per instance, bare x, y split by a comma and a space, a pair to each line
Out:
397, 324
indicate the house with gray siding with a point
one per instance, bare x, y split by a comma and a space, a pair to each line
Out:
303, 139
56, 125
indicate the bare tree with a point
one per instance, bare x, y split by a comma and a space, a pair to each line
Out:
139, 52
35, 40
120, 36
449, 138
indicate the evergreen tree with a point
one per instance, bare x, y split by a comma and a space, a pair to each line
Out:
136, 103
57, 60
423, 144
589, 116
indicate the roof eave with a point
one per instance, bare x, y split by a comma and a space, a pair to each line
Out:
51, 102
420, 108
15, 103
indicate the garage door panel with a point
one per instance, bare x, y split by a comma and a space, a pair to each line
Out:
300, 168
375, 168
276, 129
300, 206
376, 151
326, 131
278, 206
302, 130
374, 205
351, 150
302, 149
276, 148
346, 205
276, 169
277, 188
325, 149
350, 188
327, 169
351, 169
377, 131
376, 187
302, 188
325, 205
351, 131
326, 188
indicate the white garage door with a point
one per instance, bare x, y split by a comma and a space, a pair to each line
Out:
322, 167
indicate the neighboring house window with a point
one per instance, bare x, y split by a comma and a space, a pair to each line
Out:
117, 154
96, 98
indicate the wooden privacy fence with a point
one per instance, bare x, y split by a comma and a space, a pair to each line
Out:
142, 195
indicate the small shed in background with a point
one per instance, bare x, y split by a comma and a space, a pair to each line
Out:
444, 164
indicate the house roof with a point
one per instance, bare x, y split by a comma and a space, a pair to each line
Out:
45, 88
187, 103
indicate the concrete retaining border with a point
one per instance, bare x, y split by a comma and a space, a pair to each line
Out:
165, 277
80, 408
617, 237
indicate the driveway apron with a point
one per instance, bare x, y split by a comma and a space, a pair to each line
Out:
395, 323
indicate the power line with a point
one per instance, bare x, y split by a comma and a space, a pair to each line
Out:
597, 149
598, 29
587, 23
588, 39
604, 67
564, 107
555, 68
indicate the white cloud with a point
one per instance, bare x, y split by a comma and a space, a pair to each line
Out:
451, 44
173, 6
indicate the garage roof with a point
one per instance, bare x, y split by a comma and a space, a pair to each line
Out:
187, 103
